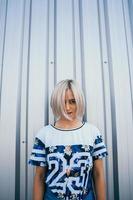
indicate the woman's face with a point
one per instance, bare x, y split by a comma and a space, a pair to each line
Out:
70, 104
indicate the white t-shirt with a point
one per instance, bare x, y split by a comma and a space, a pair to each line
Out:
68, 155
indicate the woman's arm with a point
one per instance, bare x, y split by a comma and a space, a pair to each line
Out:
39, 184
99, 182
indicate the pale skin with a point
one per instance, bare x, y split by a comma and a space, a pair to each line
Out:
98, 169
99, 181
38, 185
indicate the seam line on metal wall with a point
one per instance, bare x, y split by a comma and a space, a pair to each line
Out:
82, 53
113, 109
129, 64
130, 8
74, 49
3, 51
129, 72
103, 84
55, 42
18, 113
47, 66
27, 98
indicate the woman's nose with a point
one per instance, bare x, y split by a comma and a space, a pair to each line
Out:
67, 106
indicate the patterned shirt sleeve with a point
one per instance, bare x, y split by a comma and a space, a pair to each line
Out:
99, 148
38, 154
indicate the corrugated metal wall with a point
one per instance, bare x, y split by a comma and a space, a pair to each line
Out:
45, 41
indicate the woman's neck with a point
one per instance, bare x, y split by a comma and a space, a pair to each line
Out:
65, 123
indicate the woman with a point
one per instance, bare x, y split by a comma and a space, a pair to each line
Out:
68, 154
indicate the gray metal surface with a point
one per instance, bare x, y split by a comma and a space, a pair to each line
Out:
43, 42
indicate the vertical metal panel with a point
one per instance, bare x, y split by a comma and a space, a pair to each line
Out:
123, 106
52, 55
23, 101
9, 101
64, 40
36, 83
102, 17
3, 19
113, 112
43, 42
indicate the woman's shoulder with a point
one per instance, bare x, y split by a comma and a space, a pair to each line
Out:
92, 128
42, 132
91, 125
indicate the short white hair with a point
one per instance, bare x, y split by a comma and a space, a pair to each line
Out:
58, 95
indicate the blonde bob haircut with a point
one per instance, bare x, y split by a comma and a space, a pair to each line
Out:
58, 95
